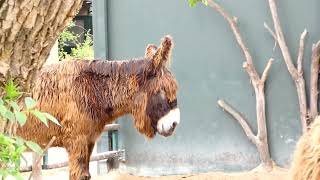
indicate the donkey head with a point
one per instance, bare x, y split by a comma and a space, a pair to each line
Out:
157, 97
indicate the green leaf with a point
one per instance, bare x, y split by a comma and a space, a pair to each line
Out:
14, 105
19, 141
3, 110
9, 115
192, 3
11, 91
21, 117
51, 118
21, 149
30, 103
205, 2
41, 116
34, 147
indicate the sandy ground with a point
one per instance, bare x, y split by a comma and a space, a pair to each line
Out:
277, 174
274, 175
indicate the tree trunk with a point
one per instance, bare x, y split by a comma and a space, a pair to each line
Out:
28, 30
300, 85
262, 143
315, 58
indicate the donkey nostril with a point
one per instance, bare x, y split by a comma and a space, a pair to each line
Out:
174, 124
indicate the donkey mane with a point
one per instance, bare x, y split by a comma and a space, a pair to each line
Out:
96, 67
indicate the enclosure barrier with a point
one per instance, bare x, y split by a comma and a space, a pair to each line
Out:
113, 156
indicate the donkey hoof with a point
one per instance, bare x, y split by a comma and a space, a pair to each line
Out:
85, 177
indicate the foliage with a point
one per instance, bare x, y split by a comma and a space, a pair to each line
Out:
65, 37
11, 146
193, 3
81, 51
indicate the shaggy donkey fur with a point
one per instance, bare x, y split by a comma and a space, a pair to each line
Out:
86, 95
306, 162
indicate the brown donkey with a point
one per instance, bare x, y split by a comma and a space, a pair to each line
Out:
306, 159
86, 95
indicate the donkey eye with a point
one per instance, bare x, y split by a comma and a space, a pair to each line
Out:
162, 94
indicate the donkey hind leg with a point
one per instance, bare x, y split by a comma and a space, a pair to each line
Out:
90, 146
79, 157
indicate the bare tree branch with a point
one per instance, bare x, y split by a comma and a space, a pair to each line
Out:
251, 72
270, 31
266, 71
296, 76
281, 40
239, 117
261, 140
272, 34
314, 80
301, 51
233, 24
41, 156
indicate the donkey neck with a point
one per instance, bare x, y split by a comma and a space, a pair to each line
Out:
116, 83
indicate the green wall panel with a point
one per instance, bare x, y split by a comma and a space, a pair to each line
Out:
207, 63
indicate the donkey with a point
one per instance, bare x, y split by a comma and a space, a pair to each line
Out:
306, 159
86, 95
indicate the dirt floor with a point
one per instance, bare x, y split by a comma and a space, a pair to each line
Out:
276, 174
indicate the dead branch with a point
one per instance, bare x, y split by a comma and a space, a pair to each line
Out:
266, 71
272, 33
260, 140
240, 118
38, 161
314, 80
233, 24
301, 51
251, 72
296, 73
281, 40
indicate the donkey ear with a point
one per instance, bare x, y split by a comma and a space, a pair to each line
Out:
150, 51
163, 53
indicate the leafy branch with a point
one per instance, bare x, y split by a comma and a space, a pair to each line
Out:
13, 112
192, 3
82, 50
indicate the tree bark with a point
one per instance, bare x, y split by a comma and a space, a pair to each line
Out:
314, 81
28, 30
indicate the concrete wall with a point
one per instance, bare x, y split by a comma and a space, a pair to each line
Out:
207, 63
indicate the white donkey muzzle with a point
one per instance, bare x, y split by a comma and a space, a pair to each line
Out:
168, 123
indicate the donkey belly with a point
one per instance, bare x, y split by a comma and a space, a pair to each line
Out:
39, 133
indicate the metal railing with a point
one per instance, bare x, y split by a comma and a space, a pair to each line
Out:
113, 156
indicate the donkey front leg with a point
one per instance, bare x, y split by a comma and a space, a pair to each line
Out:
79, 157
